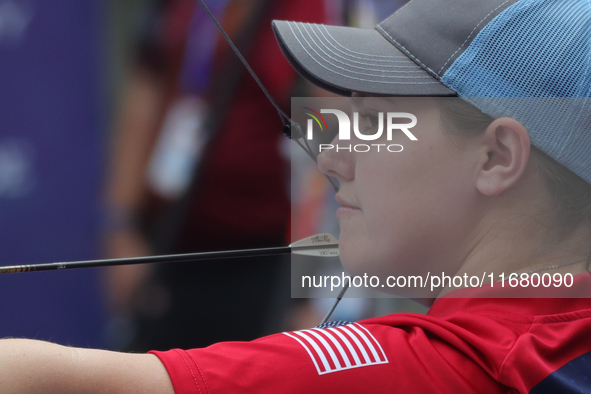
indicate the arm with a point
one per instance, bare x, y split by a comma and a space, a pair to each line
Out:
136, 128
28, 366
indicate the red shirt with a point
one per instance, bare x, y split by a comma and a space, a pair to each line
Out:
463, 345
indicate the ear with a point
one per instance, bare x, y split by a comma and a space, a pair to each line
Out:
505, 155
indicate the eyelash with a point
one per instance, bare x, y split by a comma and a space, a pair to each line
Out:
372, 117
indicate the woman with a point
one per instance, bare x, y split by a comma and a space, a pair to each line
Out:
507, 192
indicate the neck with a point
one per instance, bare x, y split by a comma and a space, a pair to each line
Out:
512, 243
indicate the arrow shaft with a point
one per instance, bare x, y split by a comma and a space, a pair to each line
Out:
174, 258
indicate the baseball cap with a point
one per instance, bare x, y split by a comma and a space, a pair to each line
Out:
526, 59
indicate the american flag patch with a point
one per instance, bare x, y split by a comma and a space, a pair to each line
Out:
339, 348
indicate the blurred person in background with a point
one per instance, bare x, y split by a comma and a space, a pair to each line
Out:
196, 166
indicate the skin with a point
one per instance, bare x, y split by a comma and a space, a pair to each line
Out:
36, 367
443, 205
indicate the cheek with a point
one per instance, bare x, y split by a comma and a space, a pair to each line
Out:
366, 238
407, 203
387, 189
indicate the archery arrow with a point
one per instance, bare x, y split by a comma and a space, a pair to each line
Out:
322, 245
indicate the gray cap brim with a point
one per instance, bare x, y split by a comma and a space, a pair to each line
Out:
346, 59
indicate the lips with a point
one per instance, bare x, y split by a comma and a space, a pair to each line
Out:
344, 203
346, 208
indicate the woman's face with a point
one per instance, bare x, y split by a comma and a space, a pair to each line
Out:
406, 212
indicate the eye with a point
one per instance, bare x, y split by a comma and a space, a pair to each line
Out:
370, 118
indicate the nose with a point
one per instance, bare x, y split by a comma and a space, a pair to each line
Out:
338, 163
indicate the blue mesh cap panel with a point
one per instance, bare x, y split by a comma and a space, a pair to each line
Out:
535, 49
